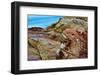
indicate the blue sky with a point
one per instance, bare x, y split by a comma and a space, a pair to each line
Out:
41, 20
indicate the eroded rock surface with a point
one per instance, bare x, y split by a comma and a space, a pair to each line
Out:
43, 44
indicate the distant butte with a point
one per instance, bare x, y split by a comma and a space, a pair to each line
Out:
36, 29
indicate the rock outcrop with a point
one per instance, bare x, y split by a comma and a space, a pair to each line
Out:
69, 30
